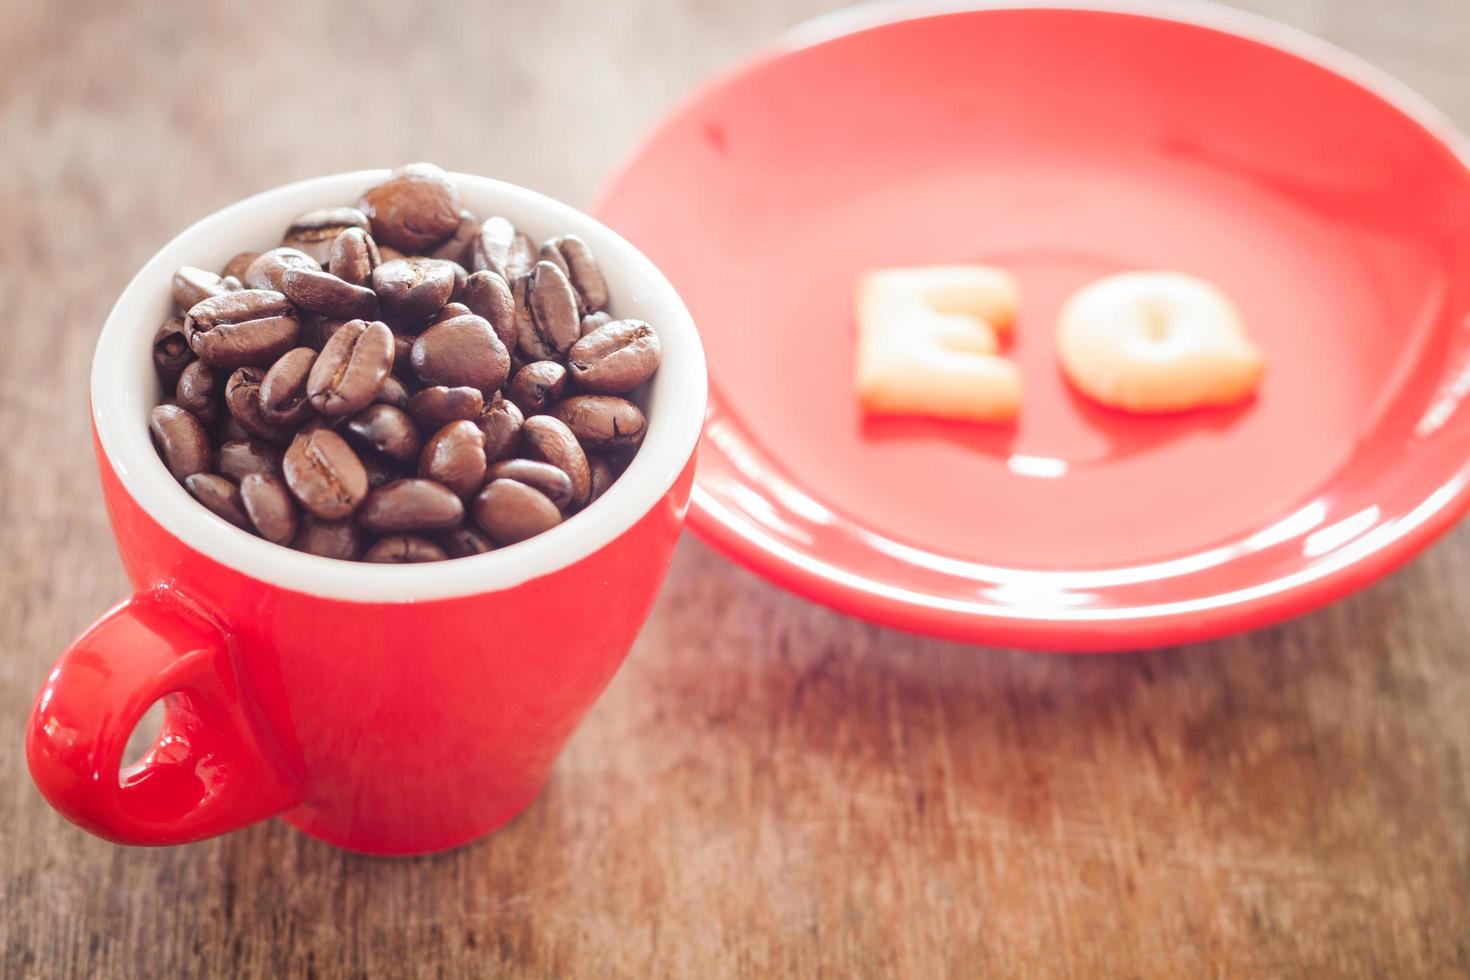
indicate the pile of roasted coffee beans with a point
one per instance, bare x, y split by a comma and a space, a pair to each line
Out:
400, 381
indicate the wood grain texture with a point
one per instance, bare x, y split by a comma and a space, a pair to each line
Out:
768, 788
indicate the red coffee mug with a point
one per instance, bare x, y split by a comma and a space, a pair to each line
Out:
387, 709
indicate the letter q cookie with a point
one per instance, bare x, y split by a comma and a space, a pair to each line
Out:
927, 342
1156, 342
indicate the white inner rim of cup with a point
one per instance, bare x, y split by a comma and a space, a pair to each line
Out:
124, 389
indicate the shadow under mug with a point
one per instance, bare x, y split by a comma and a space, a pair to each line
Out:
386, 709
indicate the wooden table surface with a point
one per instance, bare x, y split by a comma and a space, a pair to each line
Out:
767, 788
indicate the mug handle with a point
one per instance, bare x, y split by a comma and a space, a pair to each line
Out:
205, 775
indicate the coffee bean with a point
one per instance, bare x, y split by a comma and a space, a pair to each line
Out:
533, 473
181, 440
548, 439
239, 265
379, 470
324, 474
283, 399
583, 272
351, 368
449, 311
410, 291
602, 422
392, 392
461, 352
190, 285
548, 253
227, 429
238, 458
404, 549
434, 408
488, 295
269, 506
602, 476
554, 320
460, 278
615, 358
387, 253
171, 352
231, 284
325, 295
490, 249
462, 542
501, 423
200, 391
414, 209
522, 258
455, 457
329, 539
220, 495
353, 257
242, 398
456, 247
402, 361
508, 512
386, 430
253, 326
537, 385
410, 505
592, 321
315, 231
268, 268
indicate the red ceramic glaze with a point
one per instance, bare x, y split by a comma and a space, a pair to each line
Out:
386, 709
1067, 144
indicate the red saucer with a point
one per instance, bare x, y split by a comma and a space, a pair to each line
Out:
1328, 201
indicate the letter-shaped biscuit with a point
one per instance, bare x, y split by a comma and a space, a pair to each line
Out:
927, 343
1156, 342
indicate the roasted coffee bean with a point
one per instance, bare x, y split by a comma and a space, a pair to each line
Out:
238, 458
455, 457
181, 440
283, 389
269, 506
329, 539
582, 270
242, 398
386, 430
402, 362
460, 278
190, 285
231, 284
462, 542
200, 391
456, 247
353, 257
414, 209
392, 392
522, 258
548, 253
616, 358
410, 505
508, 512
220, 495
317, 330
450, 311
548, 439
554, 320
227, 429
487, 295
528, 346
404, 549
490, 249
253, 326
537, 385
325, 295
434, 408
379, 470
315, 231
387, 253
324, 474
268, 268
602, 422
461, 352
171, 352
501, 423
533, 473
351, 368
238, 266
602, 476
411, 291
592, 321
